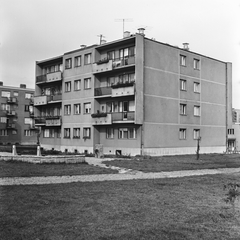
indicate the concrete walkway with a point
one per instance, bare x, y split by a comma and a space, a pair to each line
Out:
124, 174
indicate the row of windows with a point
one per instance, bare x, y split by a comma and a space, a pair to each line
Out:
6, 132
78, 61
196, 62
77, 85
15, 94
183, 110
183, 133
77, 108
183, 86
53, 68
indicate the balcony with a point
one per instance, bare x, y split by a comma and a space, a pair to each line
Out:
40, 121
53, 121
32, 127
12, 100
11, 113
102, 66
123, 89
101, 118
122, 62
50, 77
102, 91
120, 117
11, 125
54, 98
40, 100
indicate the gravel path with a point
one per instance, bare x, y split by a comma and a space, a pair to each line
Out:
113, 177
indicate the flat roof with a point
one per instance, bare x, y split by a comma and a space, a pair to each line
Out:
17, 88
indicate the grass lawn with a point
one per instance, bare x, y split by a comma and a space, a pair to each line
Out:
177, 163
187, 208
22, 169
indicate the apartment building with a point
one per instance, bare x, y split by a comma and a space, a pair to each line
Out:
17, 115
133, 96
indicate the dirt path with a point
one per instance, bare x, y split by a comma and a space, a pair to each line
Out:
113, 177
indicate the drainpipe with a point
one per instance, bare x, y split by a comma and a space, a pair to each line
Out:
226, 107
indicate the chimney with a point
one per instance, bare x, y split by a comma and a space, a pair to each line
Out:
141, 31
83, 46
185, 46
126, 34
23, 86
103, 41
1, 83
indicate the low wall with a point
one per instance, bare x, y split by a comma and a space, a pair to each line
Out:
46, 159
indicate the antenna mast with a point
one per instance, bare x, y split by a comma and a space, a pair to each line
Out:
101, 38
123, 20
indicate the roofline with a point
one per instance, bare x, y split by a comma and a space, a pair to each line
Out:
18, 88
49, 59
81, 49
166, 44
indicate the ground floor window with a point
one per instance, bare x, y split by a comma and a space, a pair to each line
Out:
48, 133
27, 133
182, 133
110, 133
3, 132
196, 133
127, 133
67, 133
86, 132
76, 132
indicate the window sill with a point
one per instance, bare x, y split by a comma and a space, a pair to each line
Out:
184, 90
197, 92
183, 114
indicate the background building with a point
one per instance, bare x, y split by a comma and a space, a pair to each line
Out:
16, 115
134, 96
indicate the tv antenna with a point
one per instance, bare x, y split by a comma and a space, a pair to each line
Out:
101, 38
123, 20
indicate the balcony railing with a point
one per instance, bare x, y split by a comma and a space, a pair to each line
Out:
53, 98
121, 62
11, 113
103, 91
53, 121
12, 100
101, 118
11, 125
123, 116
50, 77
123, 89
40, 121
102, 66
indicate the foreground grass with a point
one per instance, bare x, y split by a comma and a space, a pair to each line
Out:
176, 209
177, 163
23, 169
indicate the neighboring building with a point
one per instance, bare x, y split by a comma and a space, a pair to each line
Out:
16, 115
234, 132
133, 96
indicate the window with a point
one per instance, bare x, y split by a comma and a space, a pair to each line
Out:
111, 55
86, 132
14, 132
27, 133
6, 94
87, 58
67, 109
28, 121
87, 83
68, 63
196, 110
196, 133
231, 131
87, 108
3, 120
183, 108
28, 95
183, 84
26, 109
182, 60
196, 63
127, 133
15, 94
58, 132
196, 87
77, 108
5, 107
77, 61
110, 133
182, 133
67, 86
77, 85
67, 133
76, 132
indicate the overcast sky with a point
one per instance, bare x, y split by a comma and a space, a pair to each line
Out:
33, 30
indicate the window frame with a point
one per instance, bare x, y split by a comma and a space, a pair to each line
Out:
77, 62
67, 133
196, 134
87, 83
196, 64
183, 85
76, 133
67, 109
109, 133
86, 133
196, 87
75, 106
183, 60
182, 133
85, 108
87, 58
77, 85
183, 109
68, 86
68, 63
196, 111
